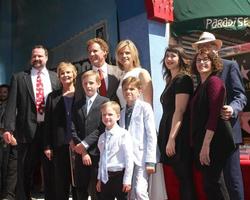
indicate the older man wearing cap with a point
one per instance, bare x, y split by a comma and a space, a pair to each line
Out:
236, 101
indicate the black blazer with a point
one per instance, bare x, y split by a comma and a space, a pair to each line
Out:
222, 143
20, 115
55, 120
88, 127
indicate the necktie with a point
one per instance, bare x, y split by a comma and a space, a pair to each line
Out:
40, 103
128, 114
89, 105
104, 171
102, 89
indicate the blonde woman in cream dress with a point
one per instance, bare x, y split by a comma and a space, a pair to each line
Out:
127, 58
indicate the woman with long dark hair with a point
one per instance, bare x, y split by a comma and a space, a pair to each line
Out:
173, 139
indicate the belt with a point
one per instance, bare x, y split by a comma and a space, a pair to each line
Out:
112, 174
40, 123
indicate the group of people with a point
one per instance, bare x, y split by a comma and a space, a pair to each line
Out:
200, 128
95, 132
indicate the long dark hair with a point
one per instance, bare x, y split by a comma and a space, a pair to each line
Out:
183, 61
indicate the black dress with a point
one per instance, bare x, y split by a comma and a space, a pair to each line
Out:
181, 84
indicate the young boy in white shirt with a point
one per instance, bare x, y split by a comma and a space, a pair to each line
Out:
116, 160
138, 118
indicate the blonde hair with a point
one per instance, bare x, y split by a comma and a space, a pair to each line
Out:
63, 66
136, 82
112, 104
133, 51
91, 73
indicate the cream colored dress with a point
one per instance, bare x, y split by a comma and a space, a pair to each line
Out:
135, 72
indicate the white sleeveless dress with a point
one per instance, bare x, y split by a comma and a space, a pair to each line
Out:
135, 72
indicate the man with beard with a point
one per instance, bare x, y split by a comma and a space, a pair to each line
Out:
24, 116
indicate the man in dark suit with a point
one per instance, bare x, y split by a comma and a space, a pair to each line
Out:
8, 154
236, 101
25, 115
87, 127
98, 51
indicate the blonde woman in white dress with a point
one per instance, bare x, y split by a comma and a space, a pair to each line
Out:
127, 58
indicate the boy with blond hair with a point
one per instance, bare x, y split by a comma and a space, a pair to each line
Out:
87, 127
116, 163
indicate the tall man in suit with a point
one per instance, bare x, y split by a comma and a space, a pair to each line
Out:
98, 51
236, 101
25, 116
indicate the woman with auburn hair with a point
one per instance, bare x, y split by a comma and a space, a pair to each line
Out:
57, 131
211, 136
173, 139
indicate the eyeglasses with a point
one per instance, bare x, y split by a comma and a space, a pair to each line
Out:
204, 60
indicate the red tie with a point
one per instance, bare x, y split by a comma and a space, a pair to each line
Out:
40, 104
102, 89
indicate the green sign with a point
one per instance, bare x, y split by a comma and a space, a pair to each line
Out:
235, 23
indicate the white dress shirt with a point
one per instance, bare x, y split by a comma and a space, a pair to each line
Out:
104, 69
47, 88
119, 152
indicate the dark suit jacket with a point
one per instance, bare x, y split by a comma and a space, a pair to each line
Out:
114, 74
20, 115
236, 97
88, 127
55, 120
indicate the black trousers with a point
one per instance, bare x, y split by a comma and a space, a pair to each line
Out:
29, 155
113, 188
86, 178
62, 172
11, 177
4, 154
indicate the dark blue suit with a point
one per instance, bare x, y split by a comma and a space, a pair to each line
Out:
236, 98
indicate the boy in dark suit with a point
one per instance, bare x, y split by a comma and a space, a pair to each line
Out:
87, 127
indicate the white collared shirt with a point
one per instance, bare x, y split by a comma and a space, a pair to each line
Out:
47, 87
117, 143
104, 69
